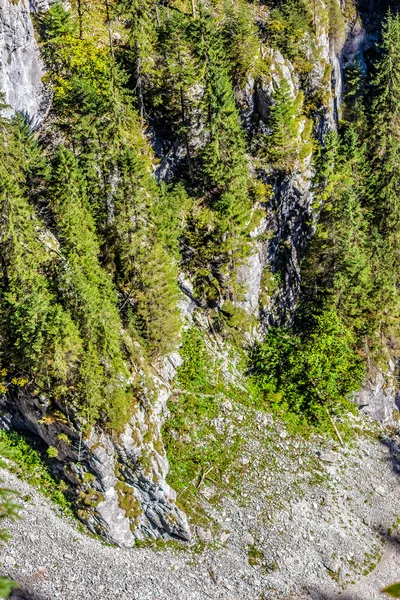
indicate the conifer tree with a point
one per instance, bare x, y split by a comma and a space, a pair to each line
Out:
224, 161
178, 75
86, 291
354, 105
282, 146
289, 26
39, 338
142, 19
143, 249
386, 128
217, 237
384, 185
241, 37
337, 270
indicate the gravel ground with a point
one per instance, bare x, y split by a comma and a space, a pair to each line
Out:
320, 522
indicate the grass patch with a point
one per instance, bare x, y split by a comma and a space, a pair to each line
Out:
200, 449
29, 465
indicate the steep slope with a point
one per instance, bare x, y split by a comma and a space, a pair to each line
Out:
171, 154
304, 520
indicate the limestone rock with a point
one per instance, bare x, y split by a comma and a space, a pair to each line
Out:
204, 535
379, 397
21, 67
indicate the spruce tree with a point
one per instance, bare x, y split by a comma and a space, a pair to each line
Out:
40, 339
224, 169
336, 270
384, 186
142, 19
224, 162
178, 75
386, 128
241, 37
282, 146
143, 250
86, 291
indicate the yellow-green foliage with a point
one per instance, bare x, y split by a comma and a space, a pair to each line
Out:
193, 444
52, 452
88, 477
30, 464
128, 501
62, 437
91, 497
270, 283
350, 10
290, 26
336, 24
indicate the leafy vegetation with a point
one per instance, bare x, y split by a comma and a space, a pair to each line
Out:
197, 450
103, 240
349, 302
27, 461
393, 590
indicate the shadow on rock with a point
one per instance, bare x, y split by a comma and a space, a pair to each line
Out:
394, 453
316, 594
23, 594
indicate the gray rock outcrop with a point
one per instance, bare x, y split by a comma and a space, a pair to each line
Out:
21, 68
118, 480
379, 397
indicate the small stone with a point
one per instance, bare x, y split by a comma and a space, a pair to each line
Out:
332, 565
224, 537
283, 434
380, 490
329, 457
204, 535
226, 406
248, 539
207, 491
9, 561
214, 576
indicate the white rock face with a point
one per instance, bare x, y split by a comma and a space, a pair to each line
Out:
21, 68
379, 397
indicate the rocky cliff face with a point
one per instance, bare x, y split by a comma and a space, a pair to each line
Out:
119, 482
21, 68
289, 215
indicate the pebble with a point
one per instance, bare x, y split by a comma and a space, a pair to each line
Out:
225, 535
204, 535
380, 490
332, 565
248, 539
226, 406
329, 457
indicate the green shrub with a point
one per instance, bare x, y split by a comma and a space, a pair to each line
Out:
29, 464
52, 452
310, 376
